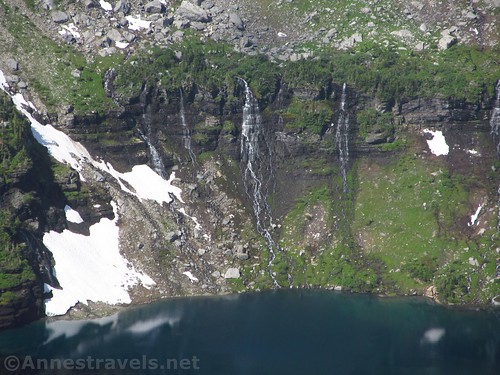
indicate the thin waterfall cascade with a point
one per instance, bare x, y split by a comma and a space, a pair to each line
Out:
156, 159
495, 130
186, 133
495, 115
342, 139
251, 135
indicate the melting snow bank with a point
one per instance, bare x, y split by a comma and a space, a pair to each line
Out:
106, 6
437, 144
145, 183
72, 215
474, 217
91, 268
137, 24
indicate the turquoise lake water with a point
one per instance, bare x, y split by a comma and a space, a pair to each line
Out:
282, 332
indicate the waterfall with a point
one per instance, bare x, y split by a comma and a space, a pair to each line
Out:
342, 139
156, 159
251, 133
186, 133
495, 130
495, 116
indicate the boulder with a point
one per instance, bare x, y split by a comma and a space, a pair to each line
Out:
242, 256
59, 16
114, 35
122, 6
446, 42
349, 42
13, 64
232, 273
154, 7
89, 4
192, 12
172, 236
330, 35
376, 138
236, 21
403, 34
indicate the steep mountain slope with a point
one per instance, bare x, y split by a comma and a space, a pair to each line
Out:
217, 147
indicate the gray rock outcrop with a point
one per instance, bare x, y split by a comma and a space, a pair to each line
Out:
59, 16
154, 7
192, 12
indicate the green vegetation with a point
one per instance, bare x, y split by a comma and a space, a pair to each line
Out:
213, 66
409, 218
13, 131
60, 75
14, 160
371, 120
461, 72
313, 116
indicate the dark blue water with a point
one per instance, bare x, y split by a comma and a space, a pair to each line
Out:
285, 332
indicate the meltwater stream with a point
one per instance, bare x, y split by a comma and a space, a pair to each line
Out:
495, 131
186, 133
285, 332
252, 131
342, 139
156, 159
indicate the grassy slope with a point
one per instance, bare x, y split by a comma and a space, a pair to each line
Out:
50, 67
411, 214
14, 269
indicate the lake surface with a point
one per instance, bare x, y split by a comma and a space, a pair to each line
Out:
283, 332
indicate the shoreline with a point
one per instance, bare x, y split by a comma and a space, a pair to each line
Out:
97, 310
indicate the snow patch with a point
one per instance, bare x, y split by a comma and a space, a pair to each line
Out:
121, 45
137, 24
195, 220
473, 152
437, 144
146, 183
72, 215
106, 6
91, 268
60, 146
474, 217
191, 277
70, 29
3, 82
473, 262
433, 335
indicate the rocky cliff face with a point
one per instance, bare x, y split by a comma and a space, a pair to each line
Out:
276, 173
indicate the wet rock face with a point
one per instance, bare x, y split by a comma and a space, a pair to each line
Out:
27, 305
422, 111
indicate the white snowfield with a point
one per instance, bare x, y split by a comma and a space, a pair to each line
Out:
91, 267
72, 215
191, 277
106, 6
121, 45
437, 144
137, 24
474, 217
70, 29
